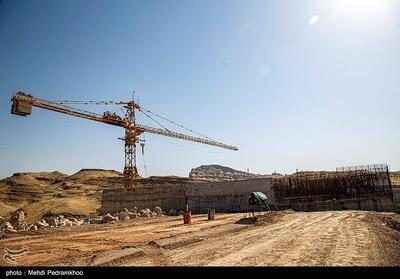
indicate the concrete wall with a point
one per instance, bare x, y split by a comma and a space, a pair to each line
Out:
165, 196
230, 196
396, 197
377, 204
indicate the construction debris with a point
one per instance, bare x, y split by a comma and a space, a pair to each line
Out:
97, 220
172, 212
42, 224
109, 218
123, 216
33, 228
158, 210
52, 221
17, 220
144, 213
6, 226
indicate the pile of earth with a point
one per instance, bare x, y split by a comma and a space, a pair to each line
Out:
54, 193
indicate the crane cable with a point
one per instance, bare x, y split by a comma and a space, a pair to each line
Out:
144, 164
89, 102
153, 119
141, 108
170, 141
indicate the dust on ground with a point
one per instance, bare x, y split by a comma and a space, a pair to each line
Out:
329, 238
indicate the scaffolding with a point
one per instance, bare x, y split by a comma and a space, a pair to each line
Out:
321, 190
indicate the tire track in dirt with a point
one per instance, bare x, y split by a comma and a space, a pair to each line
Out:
283, 239
262, 241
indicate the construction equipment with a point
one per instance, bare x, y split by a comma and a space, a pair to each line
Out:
258, 201
23, 102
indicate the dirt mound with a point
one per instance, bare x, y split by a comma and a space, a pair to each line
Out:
25, 180
6, 209
79, 206
262, 218
85, 174
41, 193
46, 176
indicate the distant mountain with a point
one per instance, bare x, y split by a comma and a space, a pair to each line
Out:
217, 172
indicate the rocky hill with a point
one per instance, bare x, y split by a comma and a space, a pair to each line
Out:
217, 172
54, 193
41, 193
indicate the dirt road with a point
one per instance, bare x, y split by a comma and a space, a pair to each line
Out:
280, 239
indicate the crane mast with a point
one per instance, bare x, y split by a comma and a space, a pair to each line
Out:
131, 137
23, 102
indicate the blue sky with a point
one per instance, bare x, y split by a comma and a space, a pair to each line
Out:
293, 84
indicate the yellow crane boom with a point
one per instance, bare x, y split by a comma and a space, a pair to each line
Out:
22, 105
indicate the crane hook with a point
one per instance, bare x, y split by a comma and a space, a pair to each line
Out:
142, 145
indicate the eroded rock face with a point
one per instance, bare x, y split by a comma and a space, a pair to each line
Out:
217, 172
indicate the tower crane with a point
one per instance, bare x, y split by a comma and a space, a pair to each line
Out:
23, 102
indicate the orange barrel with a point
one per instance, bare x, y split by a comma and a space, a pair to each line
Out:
211, 214
187, 217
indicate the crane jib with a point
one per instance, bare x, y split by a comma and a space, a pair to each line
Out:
22, 105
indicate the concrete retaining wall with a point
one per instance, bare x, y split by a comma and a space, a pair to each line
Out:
396, 197
376, 204
165, 196
230, 196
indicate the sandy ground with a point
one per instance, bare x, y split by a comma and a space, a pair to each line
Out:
349, 238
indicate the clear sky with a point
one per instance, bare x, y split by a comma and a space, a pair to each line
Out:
293, 84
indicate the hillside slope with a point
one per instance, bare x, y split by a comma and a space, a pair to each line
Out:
48, 193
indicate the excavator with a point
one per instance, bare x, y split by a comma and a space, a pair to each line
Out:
23, 102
